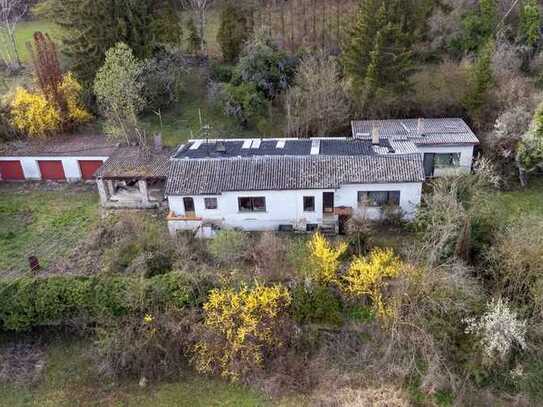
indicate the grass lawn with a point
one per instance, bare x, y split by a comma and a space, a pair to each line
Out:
514, 204
70, 379
44, 221
25, 30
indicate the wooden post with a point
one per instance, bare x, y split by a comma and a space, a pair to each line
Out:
34, 263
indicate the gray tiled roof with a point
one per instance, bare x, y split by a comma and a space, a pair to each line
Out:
217, 175
432, 131
128, 162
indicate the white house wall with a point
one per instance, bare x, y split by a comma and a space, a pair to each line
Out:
72, 171
286, 207
465, 151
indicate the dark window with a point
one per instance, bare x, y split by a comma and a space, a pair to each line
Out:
210, 203
252, 204
378, 198
440, 160
446, 160
189, 205
328, 202
311, 227
309, 204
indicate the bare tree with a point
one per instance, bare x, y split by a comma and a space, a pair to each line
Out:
11, 11
199, 7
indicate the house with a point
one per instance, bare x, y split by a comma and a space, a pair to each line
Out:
305, 184
62, 159
447, 145
274, 184
133, 177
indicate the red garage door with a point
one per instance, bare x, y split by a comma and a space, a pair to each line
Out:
51, 170
88, 168
11, 171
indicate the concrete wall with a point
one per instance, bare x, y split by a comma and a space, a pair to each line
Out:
31, 170
286, 207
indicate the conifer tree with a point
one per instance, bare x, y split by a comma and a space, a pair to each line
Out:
233, 31
489, 17
91, 27
377, 56
530, 149
530, 23
482, 78
194, 42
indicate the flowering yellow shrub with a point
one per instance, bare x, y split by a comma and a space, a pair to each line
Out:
371, 276
325, 258
241, 329
33, 114
71, 89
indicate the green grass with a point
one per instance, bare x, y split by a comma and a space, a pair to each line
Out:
43, 223
521, 202
25, 30
70, 378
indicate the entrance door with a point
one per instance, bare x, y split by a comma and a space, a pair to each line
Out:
189, 206
429, 164
88, 168
11, 171
51, 170
328, 202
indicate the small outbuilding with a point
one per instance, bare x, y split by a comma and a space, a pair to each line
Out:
134, 177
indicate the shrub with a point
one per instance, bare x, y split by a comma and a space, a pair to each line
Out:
316, 305
242, 330
31, 302
233, 31
325, 259
229, 247
371, 275
499, 332
269, 256
244, 102
32, 114
148, 345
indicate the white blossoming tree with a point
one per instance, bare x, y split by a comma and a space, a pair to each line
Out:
499, 331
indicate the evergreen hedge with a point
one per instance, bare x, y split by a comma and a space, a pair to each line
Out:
29, 302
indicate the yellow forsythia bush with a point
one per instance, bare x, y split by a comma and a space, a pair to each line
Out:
33, 114
241, 328
325, 258
371, 276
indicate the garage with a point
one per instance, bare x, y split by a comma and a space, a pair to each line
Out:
11, 171
51, 170
89, 167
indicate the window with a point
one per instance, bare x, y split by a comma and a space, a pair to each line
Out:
311, 227
252, 204
189, 205
328, 202
309, 204
378, 198
210, 203
446, 160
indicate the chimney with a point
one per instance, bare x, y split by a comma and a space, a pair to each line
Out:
157, 141
375, 136
420, 126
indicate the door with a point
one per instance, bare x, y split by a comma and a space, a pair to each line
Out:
429, 164
328, 202
51, 170
189, 206
89, 167
11, 171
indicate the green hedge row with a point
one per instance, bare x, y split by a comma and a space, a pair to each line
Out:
31, 302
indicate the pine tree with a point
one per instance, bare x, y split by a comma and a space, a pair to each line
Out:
482, 78
530, 23
194, 42
489, 17
530, 149
377, 55
91, 27
233, 31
